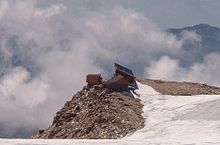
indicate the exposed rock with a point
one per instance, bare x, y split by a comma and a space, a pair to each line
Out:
181, 88
96, 113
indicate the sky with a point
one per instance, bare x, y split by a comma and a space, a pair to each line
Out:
165, 13
48, 47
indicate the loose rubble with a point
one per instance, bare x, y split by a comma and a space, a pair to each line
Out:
96, 113
180, 88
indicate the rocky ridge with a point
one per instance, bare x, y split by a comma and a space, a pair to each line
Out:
96, 113
180, 88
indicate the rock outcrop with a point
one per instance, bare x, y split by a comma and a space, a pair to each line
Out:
180, 88
96, 113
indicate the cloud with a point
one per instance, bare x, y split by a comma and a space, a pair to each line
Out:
46, 53
49, 12
3, 8
165, 68
207, 71
190, 36
18, 93
169, 69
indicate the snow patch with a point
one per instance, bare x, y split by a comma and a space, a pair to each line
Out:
163, 120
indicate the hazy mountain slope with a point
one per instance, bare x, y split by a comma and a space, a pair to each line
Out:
196, 50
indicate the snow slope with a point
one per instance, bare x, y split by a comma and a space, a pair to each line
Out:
179, 119
170, 120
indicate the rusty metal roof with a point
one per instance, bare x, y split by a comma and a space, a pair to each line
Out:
123, 69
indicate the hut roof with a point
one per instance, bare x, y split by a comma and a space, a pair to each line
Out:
123, 70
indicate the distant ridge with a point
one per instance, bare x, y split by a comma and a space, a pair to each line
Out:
196, 51
180, 88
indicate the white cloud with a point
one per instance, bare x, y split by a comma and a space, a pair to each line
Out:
20, 96
121, 33
165, 68
190, 36
170, 69
49, 12
4, 7
207, 71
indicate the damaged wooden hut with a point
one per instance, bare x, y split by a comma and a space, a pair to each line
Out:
122, 79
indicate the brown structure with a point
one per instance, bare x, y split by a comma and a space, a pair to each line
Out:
117, 83
93, 79
125, 72
122, 79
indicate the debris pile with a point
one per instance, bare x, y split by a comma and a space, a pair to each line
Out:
100, 110
96, 113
